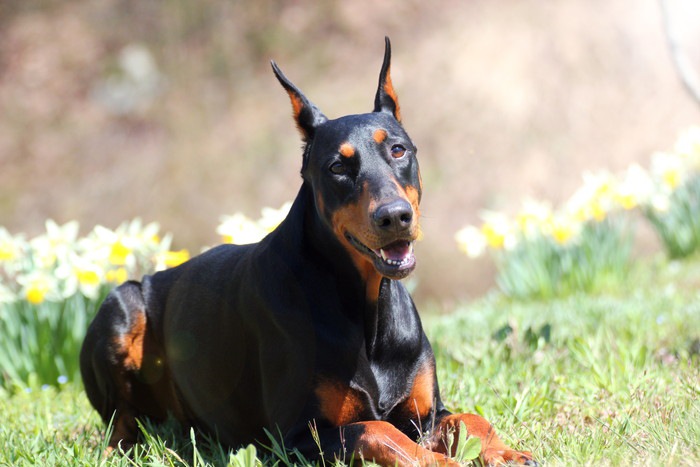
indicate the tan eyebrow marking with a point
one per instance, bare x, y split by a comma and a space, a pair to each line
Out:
346, 150
379, 135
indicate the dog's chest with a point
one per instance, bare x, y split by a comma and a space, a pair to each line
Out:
379, 384
372, 394
370, 366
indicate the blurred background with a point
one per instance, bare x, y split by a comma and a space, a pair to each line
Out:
168, 111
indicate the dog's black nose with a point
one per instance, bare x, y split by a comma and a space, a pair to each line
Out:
394, 215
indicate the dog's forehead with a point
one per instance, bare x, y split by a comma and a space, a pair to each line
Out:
357, 129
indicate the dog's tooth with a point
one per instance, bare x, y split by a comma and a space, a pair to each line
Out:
383, 254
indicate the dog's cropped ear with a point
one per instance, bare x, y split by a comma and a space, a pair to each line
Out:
386, 99
307, 116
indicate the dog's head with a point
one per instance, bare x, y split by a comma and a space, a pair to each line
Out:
364, 175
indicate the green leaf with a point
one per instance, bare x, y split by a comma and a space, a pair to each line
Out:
468, 448
244, 457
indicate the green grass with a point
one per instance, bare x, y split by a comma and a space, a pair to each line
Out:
614, 380
609, 379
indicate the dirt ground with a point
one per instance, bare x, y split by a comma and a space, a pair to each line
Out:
169, 111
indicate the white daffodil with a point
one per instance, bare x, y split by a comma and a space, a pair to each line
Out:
688, 147
54, 246
533, 217
636, 188
240, 229
271, 218
668, 169
39, 286
498, 231
471, 241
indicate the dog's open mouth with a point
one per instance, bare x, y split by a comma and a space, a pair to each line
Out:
398, 253
394, 260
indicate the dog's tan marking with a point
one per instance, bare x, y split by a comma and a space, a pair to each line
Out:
346, 150
131, 343
354, 219
420, 400
379, 135
339, 403
389, 90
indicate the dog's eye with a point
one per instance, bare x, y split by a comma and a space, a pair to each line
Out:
398, 151
337, 168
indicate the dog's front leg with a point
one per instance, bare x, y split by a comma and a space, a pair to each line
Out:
384, 444
493, 450
376, 441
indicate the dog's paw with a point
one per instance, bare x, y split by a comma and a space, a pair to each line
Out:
494, 457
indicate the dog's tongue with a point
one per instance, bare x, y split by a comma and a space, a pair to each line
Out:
397, 251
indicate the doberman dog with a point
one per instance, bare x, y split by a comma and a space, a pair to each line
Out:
309, 332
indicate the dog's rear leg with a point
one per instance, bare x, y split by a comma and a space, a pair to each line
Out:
123, 369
